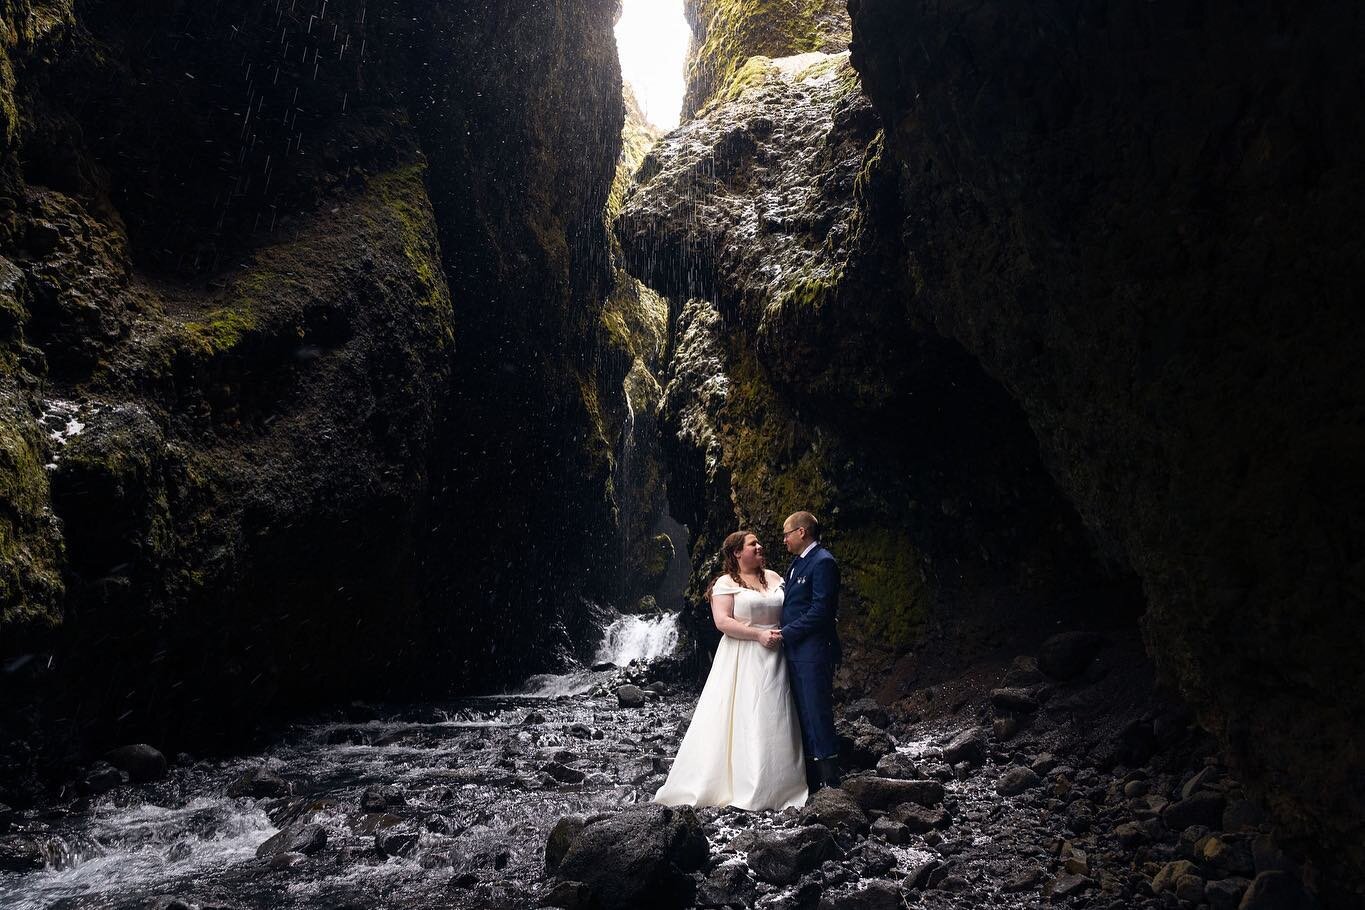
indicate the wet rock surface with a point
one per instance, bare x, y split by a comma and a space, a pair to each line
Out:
451, 804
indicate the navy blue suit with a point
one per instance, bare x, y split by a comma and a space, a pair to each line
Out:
811, 642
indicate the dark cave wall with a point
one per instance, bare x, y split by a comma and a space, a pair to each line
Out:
1143, 221
337, 355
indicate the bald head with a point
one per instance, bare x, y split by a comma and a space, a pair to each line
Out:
799, 531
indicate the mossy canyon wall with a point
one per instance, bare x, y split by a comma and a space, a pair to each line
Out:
306, 390
1049, 309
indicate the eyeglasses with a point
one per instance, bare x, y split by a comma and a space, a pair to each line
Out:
792, 531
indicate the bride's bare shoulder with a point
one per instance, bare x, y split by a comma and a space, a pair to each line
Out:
773, 577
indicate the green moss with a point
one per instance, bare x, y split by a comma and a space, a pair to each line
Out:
756, 72
637, 138
30, 550
767, 486
394, 209
736, 30
811, 292
402, 194
881, 571
635, 319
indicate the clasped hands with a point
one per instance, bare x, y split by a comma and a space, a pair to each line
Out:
771, 639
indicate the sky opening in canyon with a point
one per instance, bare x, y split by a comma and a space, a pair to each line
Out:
651, 39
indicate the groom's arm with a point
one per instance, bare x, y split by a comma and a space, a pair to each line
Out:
824, 597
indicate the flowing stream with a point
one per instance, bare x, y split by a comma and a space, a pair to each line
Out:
476, 785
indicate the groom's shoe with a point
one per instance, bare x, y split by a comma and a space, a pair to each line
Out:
829, 771
812, 776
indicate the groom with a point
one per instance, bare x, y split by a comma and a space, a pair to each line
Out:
811, 640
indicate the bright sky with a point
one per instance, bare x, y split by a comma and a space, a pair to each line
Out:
651, 38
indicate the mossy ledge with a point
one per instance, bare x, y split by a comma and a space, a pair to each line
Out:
726, 33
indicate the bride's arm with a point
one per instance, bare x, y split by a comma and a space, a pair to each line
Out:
723, 613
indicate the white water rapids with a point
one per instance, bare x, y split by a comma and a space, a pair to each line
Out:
629, 639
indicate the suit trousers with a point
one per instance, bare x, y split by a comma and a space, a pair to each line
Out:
813, 689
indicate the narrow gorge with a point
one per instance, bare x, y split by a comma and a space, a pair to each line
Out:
378, 382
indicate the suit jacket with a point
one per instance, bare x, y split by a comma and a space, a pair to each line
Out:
810, 609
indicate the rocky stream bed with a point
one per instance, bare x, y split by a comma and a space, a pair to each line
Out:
1037, 791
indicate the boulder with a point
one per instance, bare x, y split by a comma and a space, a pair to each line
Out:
1067, 655
1189, 889
919, 819
834, 808
877, 895
1203, 808
1016, 781
377, 798
1131, 834
1166, 878
630, 696
259, 783
1275, 891
561, 836
1014, 699
1226, 893
1067, 884
395, 843
141, 762
893, 832
101, 777
861, 745
968, 746
639, 857
306, 839
867, 709
874, 860
570, 896
1023, 672
563, 773
883, 792
781, 857
900, 766
727, 885
1226, 856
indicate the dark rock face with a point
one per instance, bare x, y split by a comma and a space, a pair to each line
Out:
230, 295
798, 378
1144, 226
639, 857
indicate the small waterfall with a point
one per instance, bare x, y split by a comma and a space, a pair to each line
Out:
642, 638
627, 640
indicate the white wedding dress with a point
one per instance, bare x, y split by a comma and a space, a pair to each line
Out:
743, 747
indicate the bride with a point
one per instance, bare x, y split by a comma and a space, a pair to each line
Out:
743, 747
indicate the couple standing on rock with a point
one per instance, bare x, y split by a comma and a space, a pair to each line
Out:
768, 703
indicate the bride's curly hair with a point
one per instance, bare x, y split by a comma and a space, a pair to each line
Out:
729, 551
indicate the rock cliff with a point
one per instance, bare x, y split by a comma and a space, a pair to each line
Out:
304, 364
800, 377
1035, 306
1142, 222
